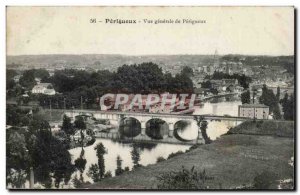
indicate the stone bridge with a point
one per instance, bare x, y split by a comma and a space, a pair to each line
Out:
171, 124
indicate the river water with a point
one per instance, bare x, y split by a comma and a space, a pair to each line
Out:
150, 152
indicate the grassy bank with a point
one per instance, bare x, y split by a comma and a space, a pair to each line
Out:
266, 127
233, 161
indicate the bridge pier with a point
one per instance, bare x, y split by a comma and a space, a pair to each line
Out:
200, 139
143, 128
171, 129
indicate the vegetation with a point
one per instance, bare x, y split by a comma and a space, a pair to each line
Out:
80, 163
135, 156
67, 126
245, 97
242, 79
288, 107
97, 171
119, 169
264, 180
100, 151
160, 159
202, 125
183, 179
175, 154
270, 127
35, 148
74, 85
268, 98
187, 71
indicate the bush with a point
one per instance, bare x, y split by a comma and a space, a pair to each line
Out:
264, 180
183, 179
175, 154
160, 159
269, 127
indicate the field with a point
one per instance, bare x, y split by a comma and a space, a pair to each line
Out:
232, 161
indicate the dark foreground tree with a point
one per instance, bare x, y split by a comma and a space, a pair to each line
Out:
51, 159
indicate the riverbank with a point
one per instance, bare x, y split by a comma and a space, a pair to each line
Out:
233, 161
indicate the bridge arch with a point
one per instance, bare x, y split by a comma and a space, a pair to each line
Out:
186, 130
157, 128
129, 127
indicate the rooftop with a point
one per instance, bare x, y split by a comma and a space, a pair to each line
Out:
254, 106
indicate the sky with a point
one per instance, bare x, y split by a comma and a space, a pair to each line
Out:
229, 30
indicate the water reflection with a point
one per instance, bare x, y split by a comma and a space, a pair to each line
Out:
148, 154
222, 107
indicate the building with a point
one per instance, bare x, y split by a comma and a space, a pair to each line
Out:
17, 78
257, 111
43, 88
225, 85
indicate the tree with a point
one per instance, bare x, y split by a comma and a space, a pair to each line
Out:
119, 169
268, 98
288, 107
67, 126
93, 172
276, 112
278, 93
96, 171
135, 156
107, 174
80, 124
245, 97
202, 125
28, 80
43, 74
188, 71
100, 151
51, 159
80, 163
16, 159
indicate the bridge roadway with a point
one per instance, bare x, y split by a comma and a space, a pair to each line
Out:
158, 115
117, 118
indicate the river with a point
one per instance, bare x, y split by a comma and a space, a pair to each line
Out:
148, 154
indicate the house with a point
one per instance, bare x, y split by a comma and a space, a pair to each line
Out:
43, 88
257, 111
17, 78
225, 85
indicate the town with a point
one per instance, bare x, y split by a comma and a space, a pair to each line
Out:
81, 109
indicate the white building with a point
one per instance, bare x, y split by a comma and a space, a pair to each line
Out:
258, 111
43, 88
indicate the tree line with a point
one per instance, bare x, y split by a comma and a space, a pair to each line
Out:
78, 86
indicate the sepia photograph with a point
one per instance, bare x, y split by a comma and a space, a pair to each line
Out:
150, 98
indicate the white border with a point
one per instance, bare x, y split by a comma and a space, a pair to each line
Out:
4, 3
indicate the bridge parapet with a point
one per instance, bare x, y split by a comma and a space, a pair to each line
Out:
143, 118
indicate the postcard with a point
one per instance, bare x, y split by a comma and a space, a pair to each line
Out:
150, 98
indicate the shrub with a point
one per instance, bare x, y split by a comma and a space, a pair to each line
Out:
175, 154
264, 180
183, 179
160, 159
